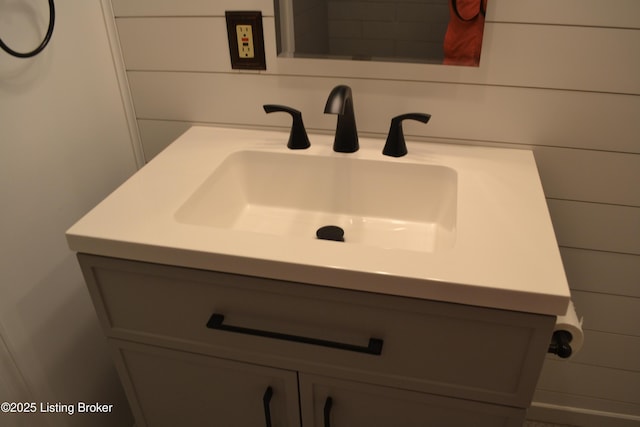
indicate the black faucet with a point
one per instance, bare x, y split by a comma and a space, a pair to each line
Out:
340, 102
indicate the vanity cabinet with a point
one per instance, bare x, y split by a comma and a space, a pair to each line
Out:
197, 347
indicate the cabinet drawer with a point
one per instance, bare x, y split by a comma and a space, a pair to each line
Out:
170, 388
328, 401
449, 349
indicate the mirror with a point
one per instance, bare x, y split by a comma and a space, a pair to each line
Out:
424, 31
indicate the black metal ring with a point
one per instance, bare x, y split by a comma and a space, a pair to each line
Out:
47, 37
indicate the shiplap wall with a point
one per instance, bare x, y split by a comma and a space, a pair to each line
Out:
560, 78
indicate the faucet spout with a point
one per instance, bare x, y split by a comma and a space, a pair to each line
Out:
340, 102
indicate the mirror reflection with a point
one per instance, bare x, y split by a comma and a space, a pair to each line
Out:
426, 31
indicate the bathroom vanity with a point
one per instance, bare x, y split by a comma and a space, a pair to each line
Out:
222, 308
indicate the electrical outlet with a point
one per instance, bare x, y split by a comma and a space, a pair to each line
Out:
246, 40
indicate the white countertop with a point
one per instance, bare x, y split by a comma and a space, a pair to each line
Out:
505, 253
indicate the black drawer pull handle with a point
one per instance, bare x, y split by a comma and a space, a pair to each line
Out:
327, 411
374, 347
266, 402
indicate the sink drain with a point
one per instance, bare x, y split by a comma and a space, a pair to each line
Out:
330, 232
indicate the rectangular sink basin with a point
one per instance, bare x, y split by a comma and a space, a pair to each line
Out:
455, 223
378, 203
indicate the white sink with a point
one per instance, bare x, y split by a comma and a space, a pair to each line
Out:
378, 203
454, 223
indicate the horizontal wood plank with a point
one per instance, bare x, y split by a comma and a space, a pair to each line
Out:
589, 175
187, 7
176, 44
596, 226
602, 272
513, 55
590, 381
466, 112
570, 409
576, 58
610, 13
608, 313
156, 135
608, 350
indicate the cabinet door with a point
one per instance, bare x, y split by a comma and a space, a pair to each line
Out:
169, 388
329, 402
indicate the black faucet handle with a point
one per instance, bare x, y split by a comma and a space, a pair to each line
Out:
298, 139
395, 145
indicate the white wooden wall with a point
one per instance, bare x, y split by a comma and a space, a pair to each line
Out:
561, 78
